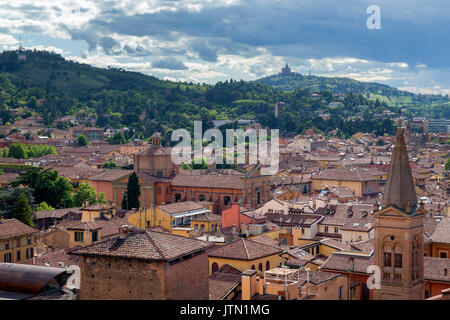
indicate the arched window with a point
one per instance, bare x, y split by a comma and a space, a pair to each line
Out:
226, 200
215, 267
202, 227
196, 226
260, 267
267, 265
201, 197
253, 267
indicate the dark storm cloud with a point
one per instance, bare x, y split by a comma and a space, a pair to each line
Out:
303, 29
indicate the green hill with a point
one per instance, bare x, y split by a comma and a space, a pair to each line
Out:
370, 90
48, 85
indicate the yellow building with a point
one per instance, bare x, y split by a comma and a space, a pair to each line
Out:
361, 181
17, 241
99, 210
170, 216
244, 254
84, 234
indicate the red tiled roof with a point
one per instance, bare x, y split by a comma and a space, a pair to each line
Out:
145, 245
244, 249
13, 228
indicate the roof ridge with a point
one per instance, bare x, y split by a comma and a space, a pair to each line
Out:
245, 248
156, 246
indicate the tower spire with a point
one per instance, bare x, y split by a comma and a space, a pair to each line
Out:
399, 190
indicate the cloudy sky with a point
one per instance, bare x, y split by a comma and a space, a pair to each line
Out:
211, 40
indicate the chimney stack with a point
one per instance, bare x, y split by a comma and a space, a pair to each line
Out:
124, 230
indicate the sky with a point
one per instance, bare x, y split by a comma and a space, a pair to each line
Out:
215, 40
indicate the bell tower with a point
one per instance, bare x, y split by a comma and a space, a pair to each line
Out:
399, 230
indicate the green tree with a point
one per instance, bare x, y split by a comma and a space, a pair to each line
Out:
380, 142
109, 165
86, 192
23, 211
8, 199
48, 186
133, 193
203, 165
83, 141
44, 206
118, 138
17, 150
447, 164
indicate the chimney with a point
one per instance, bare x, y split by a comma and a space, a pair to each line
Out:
124, 230
248, 284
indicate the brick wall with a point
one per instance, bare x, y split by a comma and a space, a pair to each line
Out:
114, 278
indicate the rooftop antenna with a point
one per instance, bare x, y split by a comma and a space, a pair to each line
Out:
310, 72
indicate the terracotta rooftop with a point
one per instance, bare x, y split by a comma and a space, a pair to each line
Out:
144, 245
53, 259
342, 262
56, 213
180, 207
442, 232
344, 174
263, 239
111, 175
223, 281
13, 228
437, 269
316, 277
244, 249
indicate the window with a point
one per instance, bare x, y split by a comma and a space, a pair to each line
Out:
260, 268
215, 267
268, 265
7, 257
94, 236
398, 260
303, 230
317, 250
79, 236
341, 293
253, 267
18, 255
159, 190
29, 253
201, 197
202, 227
159, 173
6, 245
177, 197
336, 229
326, 228
18, 243
29, 240
387, 259
226, 200
443, 255
258, 195
167, 190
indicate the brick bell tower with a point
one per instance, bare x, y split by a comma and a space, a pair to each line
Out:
399, 230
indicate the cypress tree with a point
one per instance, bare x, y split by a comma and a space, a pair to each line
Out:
23, 211
133, 191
